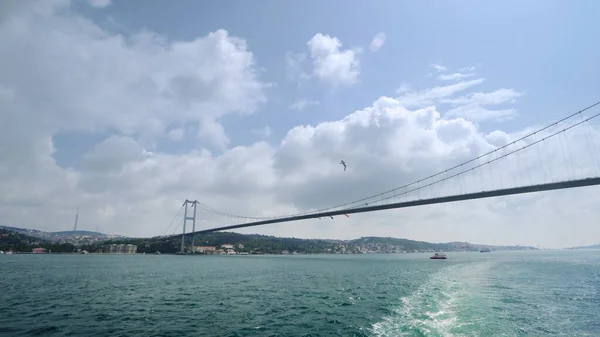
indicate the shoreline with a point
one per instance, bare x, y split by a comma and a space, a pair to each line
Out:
267, 254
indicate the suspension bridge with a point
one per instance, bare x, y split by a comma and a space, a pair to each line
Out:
561, 155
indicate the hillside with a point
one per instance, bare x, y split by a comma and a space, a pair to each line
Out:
412, 245
69, 233
586, 247
276, 245
96, 242
72, 237
18, 242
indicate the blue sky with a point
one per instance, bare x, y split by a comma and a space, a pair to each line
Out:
141, 106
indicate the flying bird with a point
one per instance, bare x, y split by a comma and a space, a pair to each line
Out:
343, 163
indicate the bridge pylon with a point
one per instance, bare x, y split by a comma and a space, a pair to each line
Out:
187, 204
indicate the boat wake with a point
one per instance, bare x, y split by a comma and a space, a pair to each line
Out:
432, 310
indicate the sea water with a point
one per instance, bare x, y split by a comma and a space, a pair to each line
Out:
528, 293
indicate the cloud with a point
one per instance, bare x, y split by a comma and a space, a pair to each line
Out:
134, 88
302, 104
438, 67
431, 95
176, 134
377, 42
99, 3
490, 98
64, 73
293, 63
473, 105
113, 153
462, 73
455, 76
404, 87
478, 113
265, 132
137, 84
467, 69
330, 63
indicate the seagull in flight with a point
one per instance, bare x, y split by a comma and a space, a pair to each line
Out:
343, 163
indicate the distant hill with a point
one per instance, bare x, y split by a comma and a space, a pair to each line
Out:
276, 245
67, 233
20, 230
16, 241
253, 242
72, 237
587, 247
406, 244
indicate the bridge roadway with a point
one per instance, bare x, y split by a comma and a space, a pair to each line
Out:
469, 196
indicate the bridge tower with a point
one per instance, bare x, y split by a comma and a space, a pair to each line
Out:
187, 204
76, 219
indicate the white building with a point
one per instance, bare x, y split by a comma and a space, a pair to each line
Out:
121, 249
226, 246
205, 249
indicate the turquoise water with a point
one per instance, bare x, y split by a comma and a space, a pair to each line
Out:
472, 294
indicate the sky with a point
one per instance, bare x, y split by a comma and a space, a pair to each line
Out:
126, 110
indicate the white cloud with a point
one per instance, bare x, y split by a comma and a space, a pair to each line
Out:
302, 104
149, 84
473, 105
438, 67
64, 73
99, 3
378, 41
176, 134
330, 63
478, 113
265, 132
404, 87
467, 69
463, 73
293, 62
212, 131
429, 96
490, 98
114, 153
455, 76
138, 84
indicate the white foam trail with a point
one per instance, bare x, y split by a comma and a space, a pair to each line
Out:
434, 307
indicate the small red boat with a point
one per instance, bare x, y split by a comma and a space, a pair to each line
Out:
439, 256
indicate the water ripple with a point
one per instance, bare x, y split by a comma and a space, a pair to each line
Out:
468, 295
